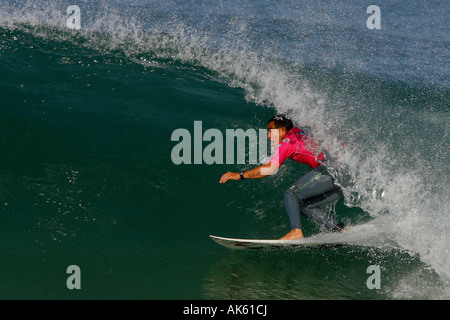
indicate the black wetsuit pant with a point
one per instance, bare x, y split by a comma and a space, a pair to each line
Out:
308, 194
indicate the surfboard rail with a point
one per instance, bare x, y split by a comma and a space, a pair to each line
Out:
261, 244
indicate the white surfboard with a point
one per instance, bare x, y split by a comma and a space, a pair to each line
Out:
241, 244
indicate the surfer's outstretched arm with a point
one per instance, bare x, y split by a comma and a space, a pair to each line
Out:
256, 173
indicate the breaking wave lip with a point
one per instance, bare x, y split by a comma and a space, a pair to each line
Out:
405, 201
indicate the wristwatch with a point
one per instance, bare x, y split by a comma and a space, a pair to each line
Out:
241, 174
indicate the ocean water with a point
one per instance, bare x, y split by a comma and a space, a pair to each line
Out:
87, 177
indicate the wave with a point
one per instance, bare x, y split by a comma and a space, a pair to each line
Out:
395, 158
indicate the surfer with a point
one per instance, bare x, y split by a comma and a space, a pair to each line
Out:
309, 193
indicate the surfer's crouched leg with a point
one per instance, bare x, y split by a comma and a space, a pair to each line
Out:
312, 209
303, 188
308, 194
292, 207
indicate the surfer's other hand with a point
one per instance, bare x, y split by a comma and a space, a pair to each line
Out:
229, 176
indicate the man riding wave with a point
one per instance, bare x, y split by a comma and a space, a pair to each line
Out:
309, 193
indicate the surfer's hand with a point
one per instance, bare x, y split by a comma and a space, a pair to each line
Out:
230, 176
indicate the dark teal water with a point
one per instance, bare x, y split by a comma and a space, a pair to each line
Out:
87, 177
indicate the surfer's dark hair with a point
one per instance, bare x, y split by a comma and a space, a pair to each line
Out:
280, 120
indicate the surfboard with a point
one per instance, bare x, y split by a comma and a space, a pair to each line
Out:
268, 244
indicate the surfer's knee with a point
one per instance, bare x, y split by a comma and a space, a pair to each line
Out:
289, 194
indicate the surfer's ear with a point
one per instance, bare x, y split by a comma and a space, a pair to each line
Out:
283, 132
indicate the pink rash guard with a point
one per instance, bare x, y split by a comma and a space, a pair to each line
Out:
297, 146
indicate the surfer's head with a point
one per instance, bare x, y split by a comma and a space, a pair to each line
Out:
277, 127
281, 121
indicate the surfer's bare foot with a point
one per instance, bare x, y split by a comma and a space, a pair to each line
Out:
293, 235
